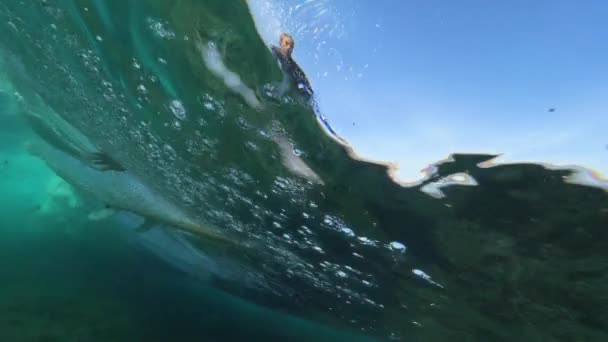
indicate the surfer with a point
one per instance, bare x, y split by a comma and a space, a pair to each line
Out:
298, 78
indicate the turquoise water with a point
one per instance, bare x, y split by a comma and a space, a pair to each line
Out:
67, 278
313, 244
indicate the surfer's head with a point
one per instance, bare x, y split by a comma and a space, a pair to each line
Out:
286, 44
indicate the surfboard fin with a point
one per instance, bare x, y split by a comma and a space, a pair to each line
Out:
104, 162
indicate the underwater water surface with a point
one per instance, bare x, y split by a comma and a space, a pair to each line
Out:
235, 215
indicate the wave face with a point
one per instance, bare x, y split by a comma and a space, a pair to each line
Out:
185, 95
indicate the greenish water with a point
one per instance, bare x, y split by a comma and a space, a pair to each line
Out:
520, 256
87, 286
66, 278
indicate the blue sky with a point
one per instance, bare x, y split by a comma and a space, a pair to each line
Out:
414, 81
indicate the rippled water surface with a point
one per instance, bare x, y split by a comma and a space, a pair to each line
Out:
238, 216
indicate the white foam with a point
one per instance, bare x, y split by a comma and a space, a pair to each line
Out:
213, 60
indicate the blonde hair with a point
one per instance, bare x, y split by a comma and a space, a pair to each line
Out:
287, 35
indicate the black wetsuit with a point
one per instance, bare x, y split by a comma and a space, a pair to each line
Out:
297, 76
301, 84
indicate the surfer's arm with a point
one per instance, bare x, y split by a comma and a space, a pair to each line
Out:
302, 82
306, 88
